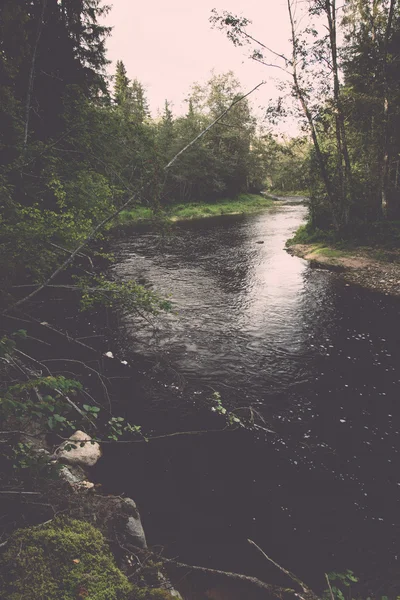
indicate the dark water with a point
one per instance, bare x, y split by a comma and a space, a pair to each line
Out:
317, 358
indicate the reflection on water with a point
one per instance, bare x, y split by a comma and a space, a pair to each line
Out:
320, 360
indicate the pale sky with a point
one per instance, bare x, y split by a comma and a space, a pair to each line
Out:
170, 45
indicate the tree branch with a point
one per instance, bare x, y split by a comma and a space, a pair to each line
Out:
72, 256
309, 593
171, 162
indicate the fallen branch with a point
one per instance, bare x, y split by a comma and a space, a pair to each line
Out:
22, 493
71, 256
309, 594
330, 587
171, 162
236, 577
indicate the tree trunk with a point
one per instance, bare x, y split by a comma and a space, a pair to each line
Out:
385, 203
345, 173
303, 102
31, 76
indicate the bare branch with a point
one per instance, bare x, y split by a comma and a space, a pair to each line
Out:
277, 591
72, 255
171, 162
304, 587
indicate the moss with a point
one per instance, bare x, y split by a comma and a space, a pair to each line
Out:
65, 560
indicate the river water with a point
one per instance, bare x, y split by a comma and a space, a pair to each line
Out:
319, 361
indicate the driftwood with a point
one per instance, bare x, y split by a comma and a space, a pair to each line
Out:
307, 594
198, 582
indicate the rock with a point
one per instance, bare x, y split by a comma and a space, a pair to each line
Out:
86, 453
260, 242
134, 528
76, 477
135, 532
73, 475
86, 485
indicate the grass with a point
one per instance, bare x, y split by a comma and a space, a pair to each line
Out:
289, 193
243, 203
379, 241
330, 252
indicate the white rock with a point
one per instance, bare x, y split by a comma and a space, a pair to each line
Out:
87, 485
86, 453
109, 354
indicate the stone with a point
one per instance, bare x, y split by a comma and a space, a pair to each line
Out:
134, 531
85, 455
72, 475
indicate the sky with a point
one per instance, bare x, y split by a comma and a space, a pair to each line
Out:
170, 45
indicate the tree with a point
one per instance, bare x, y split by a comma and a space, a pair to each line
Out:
371, 83
121, 84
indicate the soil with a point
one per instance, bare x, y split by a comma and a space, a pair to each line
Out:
359, 266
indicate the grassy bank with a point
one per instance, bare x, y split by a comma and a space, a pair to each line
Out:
243, 203
367, 256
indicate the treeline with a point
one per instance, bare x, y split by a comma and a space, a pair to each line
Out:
343, 73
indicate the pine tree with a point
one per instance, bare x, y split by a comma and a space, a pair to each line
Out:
121, 84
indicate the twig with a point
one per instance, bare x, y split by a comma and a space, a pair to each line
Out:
237, 577
69, 252
88, 368
33, 360
22, 493
310, 594
69, 338
330, 587
76, 407
156, 437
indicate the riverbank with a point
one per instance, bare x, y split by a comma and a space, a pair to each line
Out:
242, 204
373, 268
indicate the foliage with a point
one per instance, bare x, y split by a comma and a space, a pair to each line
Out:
340, 584
37, 398
128, 296
381, 234
230, 417
353, 165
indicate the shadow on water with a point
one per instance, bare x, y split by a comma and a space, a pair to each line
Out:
318, 358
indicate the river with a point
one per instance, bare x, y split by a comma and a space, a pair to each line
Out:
319, 361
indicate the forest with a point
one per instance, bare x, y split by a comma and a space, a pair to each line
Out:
82, 157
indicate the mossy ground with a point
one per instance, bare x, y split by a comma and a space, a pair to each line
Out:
65, 559
243, 203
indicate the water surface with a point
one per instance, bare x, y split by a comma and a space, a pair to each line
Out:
318, 358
